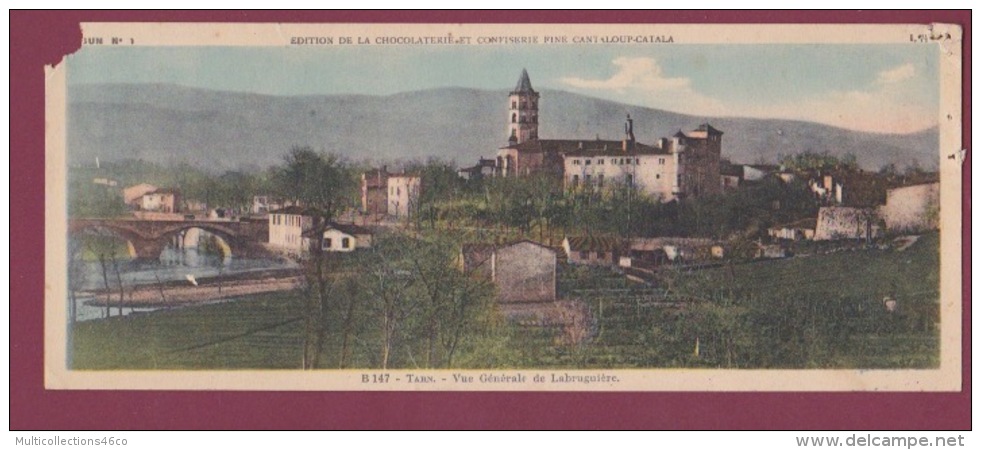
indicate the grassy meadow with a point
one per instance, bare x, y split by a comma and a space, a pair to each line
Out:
817, 311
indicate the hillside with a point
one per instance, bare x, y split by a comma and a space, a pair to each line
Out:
226, 130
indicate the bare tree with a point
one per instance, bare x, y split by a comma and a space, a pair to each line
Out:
324, 185
76, 279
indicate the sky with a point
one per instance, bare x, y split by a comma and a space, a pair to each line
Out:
878, 88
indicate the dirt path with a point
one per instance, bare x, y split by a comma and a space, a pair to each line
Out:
173, 294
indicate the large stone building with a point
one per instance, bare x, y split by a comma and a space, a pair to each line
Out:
685, 165
392, 194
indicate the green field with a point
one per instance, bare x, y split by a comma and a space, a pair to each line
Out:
820, 311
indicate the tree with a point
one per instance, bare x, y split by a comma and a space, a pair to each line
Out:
810, 160
323, 184
386, 278
440, 184
318, 181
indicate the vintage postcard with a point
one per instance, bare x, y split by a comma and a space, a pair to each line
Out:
505, 208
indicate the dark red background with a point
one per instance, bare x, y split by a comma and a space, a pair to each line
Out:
39, 38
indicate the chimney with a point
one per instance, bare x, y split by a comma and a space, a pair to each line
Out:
628, 129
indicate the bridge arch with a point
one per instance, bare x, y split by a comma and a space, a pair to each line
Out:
149, 238
102, 231
223, 238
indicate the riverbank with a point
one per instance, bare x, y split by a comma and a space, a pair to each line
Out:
206, 289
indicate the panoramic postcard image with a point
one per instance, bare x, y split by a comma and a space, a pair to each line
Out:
503, 207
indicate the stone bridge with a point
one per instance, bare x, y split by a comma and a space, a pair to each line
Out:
149, 237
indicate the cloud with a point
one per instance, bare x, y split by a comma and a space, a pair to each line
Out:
643, 80
635, 73
897, 74
887, 105
882, 109
884, 105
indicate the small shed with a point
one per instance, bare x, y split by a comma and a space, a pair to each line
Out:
594, 250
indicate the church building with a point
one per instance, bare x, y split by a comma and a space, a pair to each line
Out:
683, 166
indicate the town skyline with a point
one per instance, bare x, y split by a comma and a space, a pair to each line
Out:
871, 88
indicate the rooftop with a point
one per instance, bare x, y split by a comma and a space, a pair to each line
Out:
594, 243
524, 83
584, 147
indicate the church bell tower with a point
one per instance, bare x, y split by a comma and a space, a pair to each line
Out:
523, 111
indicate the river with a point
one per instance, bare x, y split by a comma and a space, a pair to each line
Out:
175, 264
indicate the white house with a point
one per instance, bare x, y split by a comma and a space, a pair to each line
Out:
161, 200
286, 228
403, 194
133, 195
345, 238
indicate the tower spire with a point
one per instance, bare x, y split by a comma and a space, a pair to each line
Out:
523, 111
524, 83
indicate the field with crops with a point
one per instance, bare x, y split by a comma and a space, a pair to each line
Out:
818, 311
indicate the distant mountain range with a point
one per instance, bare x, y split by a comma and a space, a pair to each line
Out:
230, 130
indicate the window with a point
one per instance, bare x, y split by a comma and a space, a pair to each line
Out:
514, 104
589, 161
514, 118
660, 161
630, 180
588, 179
600, 161
327, 243
600, 180
575, 180
576, 162
637, 161
657, 177
346, 243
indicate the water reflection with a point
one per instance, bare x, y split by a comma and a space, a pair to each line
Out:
191, 256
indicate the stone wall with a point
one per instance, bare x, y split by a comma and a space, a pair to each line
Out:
839, 222
525, 272
912, 209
